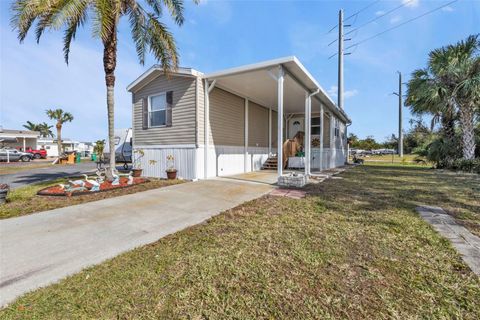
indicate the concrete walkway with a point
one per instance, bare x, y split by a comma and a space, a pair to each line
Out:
42, 248
466, 243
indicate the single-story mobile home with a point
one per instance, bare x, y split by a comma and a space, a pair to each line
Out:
231, 121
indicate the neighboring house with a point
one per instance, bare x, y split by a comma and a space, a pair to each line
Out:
231, 121
18, 139
51, 146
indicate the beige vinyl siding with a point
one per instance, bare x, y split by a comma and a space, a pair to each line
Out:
182, 130
227, 118
257, 125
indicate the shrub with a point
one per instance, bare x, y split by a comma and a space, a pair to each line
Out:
467, 165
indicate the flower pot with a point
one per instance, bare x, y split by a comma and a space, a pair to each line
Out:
3, 195
171, 175
137, 172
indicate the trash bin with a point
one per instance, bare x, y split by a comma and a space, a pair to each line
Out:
94, 157
78, 157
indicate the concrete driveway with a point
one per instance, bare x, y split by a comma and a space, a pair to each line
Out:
42, 248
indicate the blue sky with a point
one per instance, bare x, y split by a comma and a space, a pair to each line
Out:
222, 34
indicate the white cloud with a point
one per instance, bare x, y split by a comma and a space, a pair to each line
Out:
411, 3
395, 19
379, 13
447, 9
333, 92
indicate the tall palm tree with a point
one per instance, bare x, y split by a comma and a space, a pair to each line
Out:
61, 117
147, 32
449, 88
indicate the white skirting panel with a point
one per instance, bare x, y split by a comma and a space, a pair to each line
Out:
331, 158
154, 161
229, 160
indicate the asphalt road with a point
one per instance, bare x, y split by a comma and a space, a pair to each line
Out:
35, 175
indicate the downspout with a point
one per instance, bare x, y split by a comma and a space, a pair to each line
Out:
346, 141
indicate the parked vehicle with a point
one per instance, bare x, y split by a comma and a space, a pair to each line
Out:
10, 154
37, 154
123, 147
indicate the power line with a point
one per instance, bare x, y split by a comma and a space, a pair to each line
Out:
356, 13
363, 9
401, 24
380, 16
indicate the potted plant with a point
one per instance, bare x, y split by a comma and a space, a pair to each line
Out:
171, 171
4, 188
137, 164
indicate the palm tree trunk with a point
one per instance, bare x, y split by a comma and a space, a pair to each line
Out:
59, 139
468, 133
109, 64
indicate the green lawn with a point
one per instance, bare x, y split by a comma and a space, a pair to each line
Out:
24, 200
353, 249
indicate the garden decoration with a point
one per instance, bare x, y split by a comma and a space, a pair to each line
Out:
292, 146
171, 171
130, 178
137, 163
95, 184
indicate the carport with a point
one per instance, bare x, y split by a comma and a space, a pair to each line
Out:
285, 86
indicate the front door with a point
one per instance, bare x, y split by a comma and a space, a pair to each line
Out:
294, 125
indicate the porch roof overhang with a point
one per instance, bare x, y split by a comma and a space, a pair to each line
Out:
256, 82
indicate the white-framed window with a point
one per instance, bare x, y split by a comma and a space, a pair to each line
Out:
157, 110
337, 127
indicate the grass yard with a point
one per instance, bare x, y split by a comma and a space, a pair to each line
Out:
407, 159
354, 248
24, 200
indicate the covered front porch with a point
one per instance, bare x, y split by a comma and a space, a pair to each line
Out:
299, 111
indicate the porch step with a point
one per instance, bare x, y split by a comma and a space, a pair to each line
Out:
271, 163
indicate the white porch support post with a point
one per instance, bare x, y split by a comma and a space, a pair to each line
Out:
321, 137
280, 80
269, 131
24, 144
332, 142
245, 162
207, 88
307, 139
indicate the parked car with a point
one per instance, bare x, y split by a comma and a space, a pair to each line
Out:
11, 154
37, 154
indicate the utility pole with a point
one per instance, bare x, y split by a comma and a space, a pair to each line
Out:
340, 59
400, 131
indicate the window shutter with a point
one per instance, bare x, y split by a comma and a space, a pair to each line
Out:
144, 113
168, 110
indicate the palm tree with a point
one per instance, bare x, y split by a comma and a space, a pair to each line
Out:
61, 117
45, 130
147, 32
31, 126
449, 88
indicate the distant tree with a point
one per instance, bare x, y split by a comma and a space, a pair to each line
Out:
390, 142
31, 126
352, 139
43, 128
61, 117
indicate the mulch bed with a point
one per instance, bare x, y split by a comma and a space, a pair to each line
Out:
105, 186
